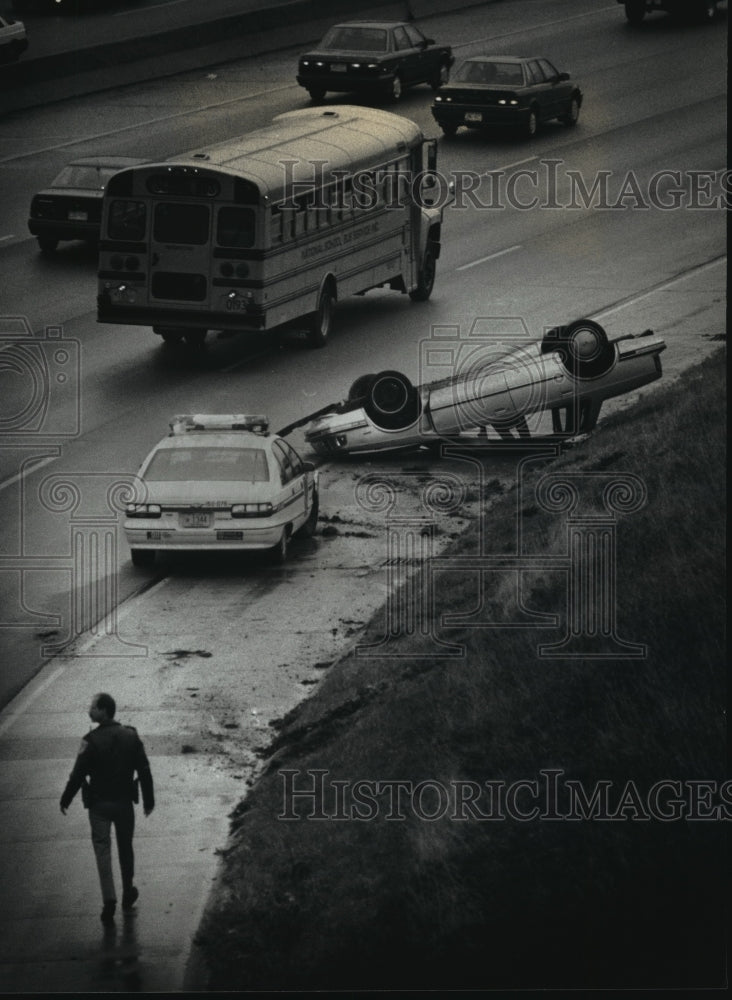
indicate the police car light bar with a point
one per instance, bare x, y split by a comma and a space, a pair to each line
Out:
184, 423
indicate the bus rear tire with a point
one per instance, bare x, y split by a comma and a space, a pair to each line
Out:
425, 278
196, 339
320, 323
170, 334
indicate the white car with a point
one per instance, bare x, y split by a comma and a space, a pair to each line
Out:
570, 373
221, 481
13, 38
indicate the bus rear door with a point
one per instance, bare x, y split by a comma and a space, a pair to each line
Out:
180, 255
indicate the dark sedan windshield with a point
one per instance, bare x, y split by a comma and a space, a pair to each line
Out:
356, 39
500, 74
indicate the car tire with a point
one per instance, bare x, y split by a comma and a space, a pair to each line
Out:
361, 387
707, 11
278, 552
441, 77
392, 402
426, 277
583, 346
142, 558
448, 129
170, 334
320, 323
316, 94
635, 11
47, 244
307, 529
195, 339
531, 124
573, 111
396, 89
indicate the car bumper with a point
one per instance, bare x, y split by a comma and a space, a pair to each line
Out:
472, 117
343, 83
60, 230
237, 536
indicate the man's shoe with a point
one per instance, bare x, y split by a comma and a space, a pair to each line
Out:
129, 898
107, 915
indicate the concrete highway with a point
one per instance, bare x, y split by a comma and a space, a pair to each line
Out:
653, 122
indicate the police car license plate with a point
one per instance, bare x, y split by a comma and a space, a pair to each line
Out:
197, 519
338, 67
473, 116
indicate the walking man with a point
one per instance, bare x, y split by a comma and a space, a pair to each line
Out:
110, 756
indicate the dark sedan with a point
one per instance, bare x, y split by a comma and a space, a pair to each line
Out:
490, 91
373, 57
71, 208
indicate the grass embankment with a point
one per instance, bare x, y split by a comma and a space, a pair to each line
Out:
473, 902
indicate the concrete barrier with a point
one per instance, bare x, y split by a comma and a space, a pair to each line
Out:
207, 41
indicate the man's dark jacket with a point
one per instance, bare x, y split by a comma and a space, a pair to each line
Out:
110, 755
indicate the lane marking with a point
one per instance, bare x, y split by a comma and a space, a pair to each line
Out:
15, 714
636, 298
482, 260
26, 472
10, 237
269, 90
150, 121
535, 27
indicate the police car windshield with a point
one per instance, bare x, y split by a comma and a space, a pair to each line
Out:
177, 465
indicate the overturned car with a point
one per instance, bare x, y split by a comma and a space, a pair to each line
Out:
568, 374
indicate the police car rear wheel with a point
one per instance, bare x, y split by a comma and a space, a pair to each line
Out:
143, 558
308, 528
278, 553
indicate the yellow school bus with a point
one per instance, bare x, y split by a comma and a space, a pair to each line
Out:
273, 227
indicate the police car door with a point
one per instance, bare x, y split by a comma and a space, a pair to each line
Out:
293, 499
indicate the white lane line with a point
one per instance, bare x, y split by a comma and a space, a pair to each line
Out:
537, 27
104, 627
16, 713
634, 300
492, 256
26, 472
144, 124
4, 238
518, 163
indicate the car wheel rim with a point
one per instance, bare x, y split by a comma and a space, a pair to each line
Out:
396, 88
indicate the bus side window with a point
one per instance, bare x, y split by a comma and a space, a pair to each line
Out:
301, 215
276, 221
235, 227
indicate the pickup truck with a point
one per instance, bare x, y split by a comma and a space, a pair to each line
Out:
13, 38
697, 10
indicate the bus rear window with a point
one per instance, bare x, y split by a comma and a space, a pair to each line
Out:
179, 223
235, 227
127, 220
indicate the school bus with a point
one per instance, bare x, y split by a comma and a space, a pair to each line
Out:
273, 227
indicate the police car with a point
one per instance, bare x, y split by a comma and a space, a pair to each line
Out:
221, 481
